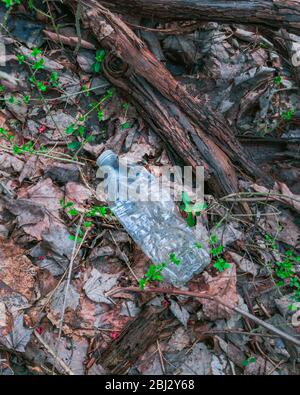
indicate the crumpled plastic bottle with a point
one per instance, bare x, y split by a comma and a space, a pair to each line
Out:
154, 225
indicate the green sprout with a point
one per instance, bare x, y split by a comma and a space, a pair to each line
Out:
277, 80
100, 55
11, 3
20, 58
287, 115
220, 264
246, 362
85, 90
35, 52
25, 99
216, 249
54, 79
192, 210
38, 65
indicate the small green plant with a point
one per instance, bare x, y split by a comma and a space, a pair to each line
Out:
215, 251
277, 80
77, 131
11, 3
198, 245
246, 362
220, 264
20, 58
35, 52
26, 99
38, 64
95, 211
191, 210
285, 270
270, 241
154, 271
54, 80
100, 55
287, 115
91, 212
85, 90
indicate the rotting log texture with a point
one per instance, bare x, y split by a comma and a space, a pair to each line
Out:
271, 13
197, 134
134, 340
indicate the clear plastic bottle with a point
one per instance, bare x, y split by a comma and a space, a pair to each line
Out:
154, 225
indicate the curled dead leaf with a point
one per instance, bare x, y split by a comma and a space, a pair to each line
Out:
222, 287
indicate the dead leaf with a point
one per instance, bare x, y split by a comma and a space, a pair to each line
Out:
18, 337
10, 162
243, 264
180, 313
98, 284
16, 270
198, 361
44, 193
283, 227
72, 300
5, 321
77, 193
223, 287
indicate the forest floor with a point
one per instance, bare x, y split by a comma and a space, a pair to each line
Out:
70, 301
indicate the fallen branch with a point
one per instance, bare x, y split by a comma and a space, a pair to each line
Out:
193, 131
71, 41
203, 295
272, 13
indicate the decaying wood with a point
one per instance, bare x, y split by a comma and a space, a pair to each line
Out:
134, 340
272, 13
197, 134
72, 41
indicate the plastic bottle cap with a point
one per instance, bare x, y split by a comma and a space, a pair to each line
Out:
107, 158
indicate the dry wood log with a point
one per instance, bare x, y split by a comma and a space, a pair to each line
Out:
272, 13
197, 134
134, 340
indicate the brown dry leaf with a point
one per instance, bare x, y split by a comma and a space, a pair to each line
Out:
113, 320
77, 193
16, 270
223, 287
10, 163
2, 119
5, 320
44, 193
284, 227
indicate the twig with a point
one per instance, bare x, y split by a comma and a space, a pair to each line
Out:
77, 25
124, 256
174, 31
203, 295
67, 289
263, 196
71, 41
51, 352
161, 357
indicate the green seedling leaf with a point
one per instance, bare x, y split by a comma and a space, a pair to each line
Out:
73, 212
74, 145
35, 52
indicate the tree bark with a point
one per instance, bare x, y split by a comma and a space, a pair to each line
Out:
272, 13
134, 340
194, 131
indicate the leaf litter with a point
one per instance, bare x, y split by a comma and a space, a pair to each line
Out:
232, 68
